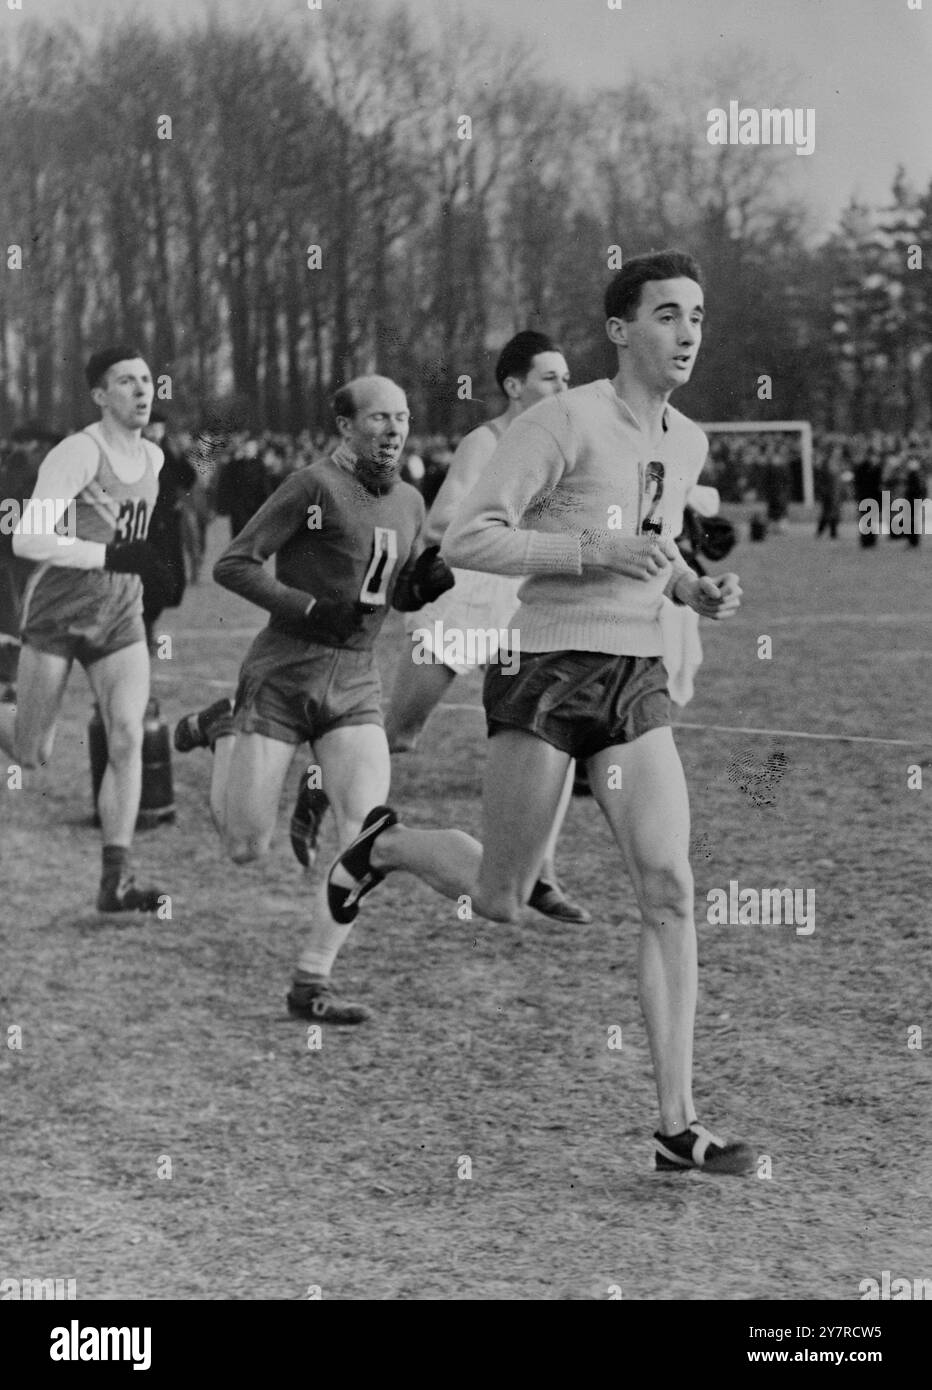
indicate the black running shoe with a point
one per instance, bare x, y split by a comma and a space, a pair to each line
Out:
549, 898
353, 863
317, 1003
695, 1147
309, 810
199, 730
122, 895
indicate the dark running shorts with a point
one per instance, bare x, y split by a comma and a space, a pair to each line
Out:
296, 691
83, 615
580, 702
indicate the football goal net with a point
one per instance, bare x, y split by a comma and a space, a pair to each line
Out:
799, 437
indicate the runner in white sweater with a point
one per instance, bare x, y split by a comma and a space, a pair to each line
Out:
584, 495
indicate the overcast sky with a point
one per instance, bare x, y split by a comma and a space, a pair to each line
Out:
864, 66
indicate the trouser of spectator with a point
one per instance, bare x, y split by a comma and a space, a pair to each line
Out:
192, 540
828, 521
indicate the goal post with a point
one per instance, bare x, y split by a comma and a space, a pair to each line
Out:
801, 427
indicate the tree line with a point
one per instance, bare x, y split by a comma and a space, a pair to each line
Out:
269, 211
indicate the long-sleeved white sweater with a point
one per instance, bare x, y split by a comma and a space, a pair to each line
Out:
575, 463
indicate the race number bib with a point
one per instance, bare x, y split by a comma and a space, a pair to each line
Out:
132, 520
381, 567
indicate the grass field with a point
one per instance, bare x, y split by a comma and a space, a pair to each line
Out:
295, 1170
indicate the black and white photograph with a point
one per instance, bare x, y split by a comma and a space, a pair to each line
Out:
465, 652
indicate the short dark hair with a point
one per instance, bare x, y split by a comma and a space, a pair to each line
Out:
100, 363
517, 356
623, 295
344, 403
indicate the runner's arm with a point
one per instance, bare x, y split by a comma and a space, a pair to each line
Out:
241, 566
523, 473
65, 470
484, 535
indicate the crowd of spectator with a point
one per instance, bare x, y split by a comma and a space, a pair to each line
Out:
238, 471
766, 469
231, 474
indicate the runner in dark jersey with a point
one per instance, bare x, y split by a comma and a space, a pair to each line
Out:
85, 529
346, 536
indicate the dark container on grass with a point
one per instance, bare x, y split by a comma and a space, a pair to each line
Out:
157, 803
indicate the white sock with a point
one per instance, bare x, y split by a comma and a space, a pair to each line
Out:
322, 947
323, 941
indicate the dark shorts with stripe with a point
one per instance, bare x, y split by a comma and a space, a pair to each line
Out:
83, 615
295, 691
580, 702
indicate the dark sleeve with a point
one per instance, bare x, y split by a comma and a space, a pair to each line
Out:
403, 600
240, 567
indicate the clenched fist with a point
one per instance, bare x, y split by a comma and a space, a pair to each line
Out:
710, 598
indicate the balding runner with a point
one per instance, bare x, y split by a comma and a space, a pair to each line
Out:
346, 534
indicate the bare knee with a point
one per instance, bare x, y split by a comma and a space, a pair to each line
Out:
124, 743
666, 894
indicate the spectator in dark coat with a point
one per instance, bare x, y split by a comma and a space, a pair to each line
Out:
914, 490
868, 483
165, 530
828, 495
243, 487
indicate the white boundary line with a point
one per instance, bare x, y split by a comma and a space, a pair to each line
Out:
706, 728
819, 738
819, 619
770, 733
164, 678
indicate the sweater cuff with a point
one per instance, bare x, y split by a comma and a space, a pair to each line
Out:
553, 553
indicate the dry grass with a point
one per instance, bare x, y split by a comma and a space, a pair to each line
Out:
338, 1168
